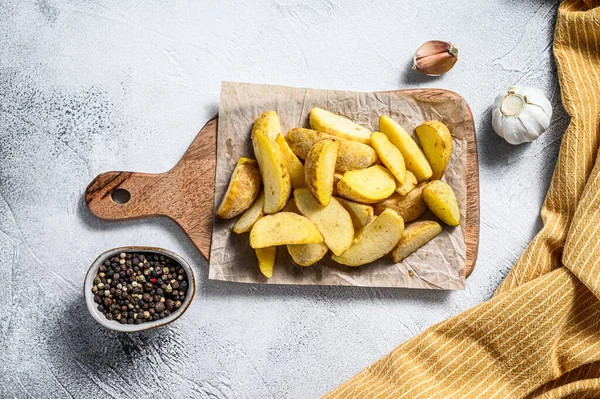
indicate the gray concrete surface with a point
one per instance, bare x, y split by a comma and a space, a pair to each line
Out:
88, 86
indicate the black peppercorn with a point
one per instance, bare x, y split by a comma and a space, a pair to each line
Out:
133, 288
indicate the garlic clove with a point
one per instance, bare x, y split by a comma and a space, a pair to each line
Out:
534, 120
513, 131
497, 119
533, 95
435, 57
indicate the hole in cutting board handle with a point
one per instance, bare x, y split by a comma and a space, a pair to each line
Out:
120, 196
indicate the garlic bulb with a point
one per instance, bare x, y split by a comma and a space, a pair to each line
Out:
521, 114
435, 57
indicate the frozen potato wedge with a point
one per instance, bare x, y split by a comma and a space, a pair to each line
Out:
409, 184
251, 215
307, 254
360, 214
441, 200
242, 191
269, 124
338, 125
352, 155
332, 220
291, 207
410, 207
283, 228
415, 236
266, 260
294, 165
389, 155
320, 167
413, 156
367, 186
273, 171
436, 141
378, 239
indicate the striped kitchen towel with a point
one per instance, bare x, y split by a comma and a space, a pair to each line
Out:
539, 336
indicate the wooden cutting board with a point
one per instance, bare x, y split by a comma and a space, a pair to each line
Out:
186, 192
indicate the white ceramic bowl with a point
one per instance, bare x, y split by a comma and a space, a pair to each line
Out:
115, 325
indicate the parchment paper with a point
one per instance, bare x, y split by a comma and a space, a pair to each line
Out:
437, 265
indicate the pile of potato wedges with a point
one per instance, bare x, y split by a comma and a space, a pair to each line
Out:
342, 188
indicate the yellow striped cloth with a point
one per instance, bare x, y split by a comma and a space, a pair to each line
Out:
539, 336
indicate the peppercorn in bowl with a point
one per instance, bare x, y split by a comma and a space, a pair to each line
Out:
133, 289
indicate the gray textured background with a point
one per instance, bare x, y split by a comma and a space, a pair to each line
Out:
89, 86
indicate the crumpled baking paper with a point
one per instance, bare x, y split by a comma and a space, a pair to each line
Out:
437, 265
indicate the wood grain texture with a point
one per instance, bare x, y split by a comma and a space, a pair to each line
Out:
186, 192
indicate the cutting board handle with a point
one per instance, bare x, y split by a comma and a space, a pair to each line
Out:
125, 195
185, 193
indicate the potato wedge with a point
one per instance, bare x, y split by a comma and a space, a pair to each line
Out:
294, 165
269, 123
367, 185
332, 220
441, 200
409, 184
266, 260
251, 215
283, 228
352, 155
274, 172
291, 207
242, 191
436, 141
307, 254
415, 236
320, 167
378, 239
339, 126
360, 214
337, 176
413, 156
389, 155
410, 206
358, 235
